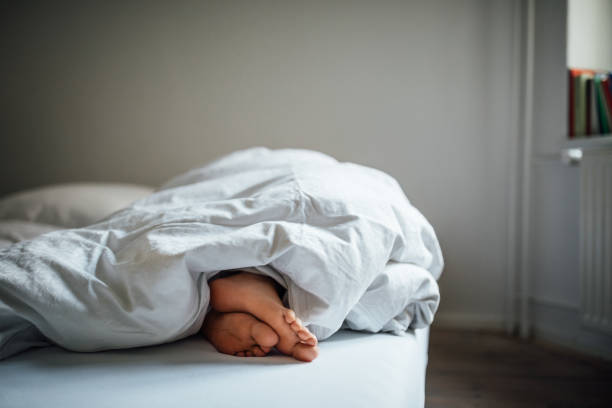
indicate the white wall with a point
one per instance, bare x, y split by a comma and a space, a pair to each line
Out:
140, 91
589, 30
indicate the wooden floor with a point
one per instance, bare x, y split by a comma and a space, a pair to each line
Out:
478, 369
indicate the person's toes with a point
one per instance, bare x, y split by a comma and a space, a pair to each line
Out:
296, 324
248, 353
298, 328
289, 316
306, 353
257, 351
307, 337
264, 336
239, 354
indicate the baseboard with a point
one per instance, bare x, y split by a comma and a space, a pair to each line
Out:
552, 321
470, 321
562, 325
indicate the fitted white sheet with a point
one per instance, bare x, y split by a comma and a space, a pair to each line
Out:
353, 370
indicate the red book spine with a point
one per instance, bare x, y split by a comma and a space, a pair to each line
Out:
608, 96
570, 104
575, 73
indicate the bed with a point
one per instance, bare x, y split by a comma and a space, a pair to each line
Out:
157, 360
354, 370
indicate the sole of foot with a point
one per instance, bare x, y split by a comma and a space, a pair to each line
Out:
239, 334
256, 294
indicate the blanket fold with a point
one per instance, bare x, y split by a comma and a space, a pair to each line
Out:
341, 238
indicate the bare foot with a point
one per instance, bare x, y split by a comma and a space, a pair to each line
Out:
255, 294
239, 334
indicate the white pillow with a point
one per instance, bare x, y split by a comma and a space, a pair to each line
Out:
70, 205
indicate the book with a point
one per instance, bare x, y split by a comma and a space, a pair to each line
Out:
604, 81
595, 119
601, 105
582, 106
570, 105
589, 103
590, 113
574, 102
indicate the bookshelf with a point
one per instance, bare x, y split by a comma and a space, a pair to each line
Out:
590, 143
589, 62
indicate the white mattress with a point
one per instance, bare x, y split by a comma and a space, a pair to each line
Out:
353, 370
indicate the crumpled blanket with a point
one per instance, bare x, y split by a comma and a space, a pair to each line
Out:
342, 239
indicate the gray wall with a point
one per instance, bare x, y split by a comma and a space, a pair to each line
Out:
140, 91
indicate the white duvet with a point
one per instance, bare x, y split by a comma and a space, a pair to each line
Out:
341, 238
